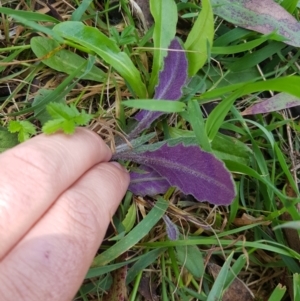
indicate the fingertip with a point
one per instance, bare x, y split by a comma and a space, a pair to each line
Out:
119, 166
84, 132
114, 181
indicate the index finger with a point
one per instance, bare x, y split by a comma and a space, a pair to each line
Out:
36, 172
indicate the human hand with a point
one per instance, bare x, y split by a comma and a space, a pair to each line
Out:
57, 197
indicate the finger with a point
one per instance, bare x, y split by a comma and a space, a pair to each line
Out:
50, 262
36, 172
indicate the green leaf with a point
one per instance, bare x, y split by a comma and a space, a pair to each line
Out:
7, 139
145, 260
27, 21
41, 114
236, 167
53, 126
216, 291
256, 57
191, 258
296, 285
63, 60
61, 90
278, 293
165, 19
241, 47
200, 39
218, 114
290, 6
96, 41
28, 15
197, 123
65, 118
238, 265
291, 225
288, 84
168, 106
24, 129
230, 148
78, 13
10, 58
57, 111
83, 118
134, 236
130, 218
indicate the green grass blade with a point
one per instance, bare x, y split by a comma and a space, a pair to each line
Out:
78, 13
239, 245
37, 27
285, 168
94, 40
99, 271
197, 122
167, 106
165, 20
63, 60
28, 15
291, 225
200, 39
135, 235
215, 293
288, 84
10, 58
296, 286
217, 116
63, 89
235, 270
278, 293
145, 260
252, 59
243, 169
241, 47
290, 6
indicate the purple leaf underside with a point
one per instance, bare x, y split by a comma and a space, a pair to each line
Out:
190, 169
264, 16
170, 83
278, 102
171, 228
149, 182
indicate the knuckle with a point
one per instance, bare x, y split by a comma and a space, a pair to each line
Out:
33, 161
83, 212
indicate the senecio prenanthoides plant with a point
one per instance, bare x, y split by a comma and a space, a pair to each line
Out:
176, 162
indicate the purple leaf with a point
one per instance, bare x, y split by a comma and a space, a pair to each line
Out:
278, 102
171, 81
147, 183
264, 16
172, 230
190, 169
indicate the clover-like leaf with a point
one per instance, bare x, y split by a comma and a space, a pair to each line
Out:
24, 129
65, 118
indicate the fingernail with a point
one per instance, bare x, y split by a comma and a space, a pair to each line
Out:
119, 166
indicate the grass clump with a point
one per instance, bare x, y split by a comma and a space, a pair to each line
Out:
71, 63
